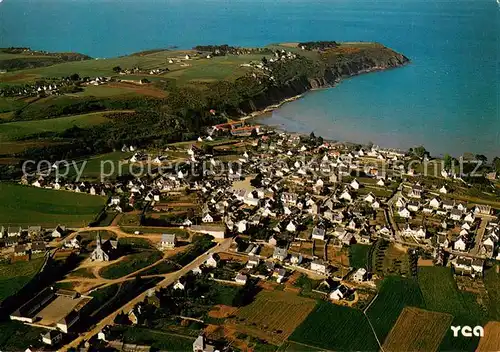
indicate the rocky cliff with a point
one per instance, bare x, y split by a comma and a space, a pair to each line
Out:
327, 71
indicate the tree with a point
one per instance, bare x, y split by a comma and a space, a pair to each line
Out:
420, 151
448, 160
117, 69
496, 163
481, 158
312, 135
74, 77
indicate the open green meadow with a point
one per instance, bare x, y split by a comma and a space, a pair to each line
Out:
130, 264
11, 131
395, 293
142, 255
337, 328
441, 294
197, 68
159, 340
11, 104
13, 276
113, 164
25, 205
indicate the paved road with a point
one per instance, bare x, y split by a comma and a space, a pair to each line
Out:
168, 280
479, 236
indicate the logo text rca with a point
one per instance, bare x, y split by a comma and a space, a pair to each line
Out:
467, 331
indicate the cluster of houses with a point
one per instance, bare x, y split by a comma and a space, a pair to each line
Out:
28, 240
459, 223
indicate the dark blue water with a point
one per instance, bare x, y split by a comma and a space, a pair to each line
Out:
447, 99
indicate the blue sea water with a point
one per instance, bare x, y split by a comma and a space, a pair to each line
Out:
447, 99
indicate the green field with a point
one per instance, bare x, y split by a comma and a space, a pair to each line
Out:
130, 264
14, 276
24, 129
441, 294
358, 255
492, 283
395, 293
10, 104
225, 67
16, 336
159, 340
24, 205
337, 328
113, 164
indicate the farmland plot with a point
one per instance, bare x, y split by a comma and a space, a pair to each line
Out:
337, 328
417, 330
273, 315
491, 339
395, 294
441, 294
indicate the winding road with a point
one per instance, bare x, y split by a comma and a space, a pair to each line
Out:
168, 279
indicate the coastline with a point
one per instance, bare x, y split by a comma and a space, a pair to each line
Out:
273, 107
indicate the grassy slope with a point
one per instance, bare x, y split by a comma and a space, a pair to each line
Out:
199, 68
14, 276
24, 205
23, 129
336, 328
130, 264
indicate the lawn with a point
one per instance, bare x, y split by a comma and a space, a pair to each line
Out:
130, 264
395, 294
273, 315
14, 276
358, 255
441, 294
11, 131
336, 328
24, 205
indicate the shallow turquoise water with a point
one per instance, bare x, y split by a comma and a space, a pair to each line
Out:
447, 99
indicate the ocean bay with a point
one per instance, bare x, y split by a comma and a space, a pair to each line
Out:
446, 99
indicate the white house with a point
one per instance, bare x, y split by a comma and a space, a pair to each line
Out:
241, 279
360, 275
459, 244
355, 184
291, 227
339, 293
404, 213
318, 266
207, 218
280, 253
346, 196
318, 233
211, 262
168, 241
179, 286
